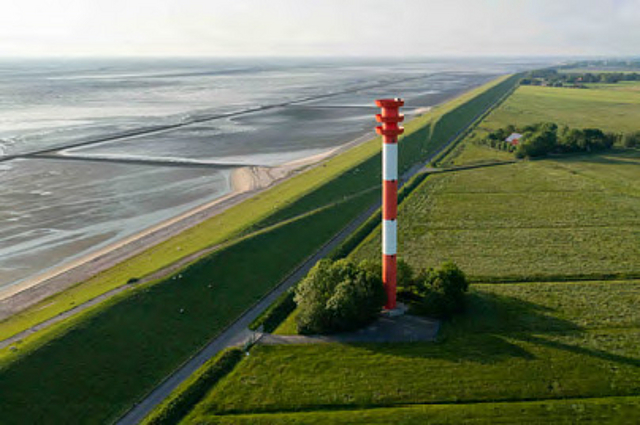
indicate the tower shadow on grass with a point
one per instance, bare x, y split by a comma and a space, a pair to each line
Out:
498, 314
484, 334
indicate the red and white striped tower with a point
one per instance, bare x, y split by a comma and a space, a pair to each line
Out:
390, 132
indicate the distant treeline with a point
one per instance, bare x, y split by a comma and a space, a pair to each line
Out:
545, 138
553, 78
614, 65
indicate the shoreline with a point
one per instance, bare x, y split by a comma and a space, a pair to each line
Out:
245, 182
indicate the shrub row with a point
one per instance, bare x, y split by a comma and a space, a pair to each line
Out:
551, 77
189, 393
631, 140
542, 139
500, 145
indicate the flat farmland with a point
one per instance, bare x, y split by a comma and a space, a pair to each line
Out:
575, 217
550, 335
610, 107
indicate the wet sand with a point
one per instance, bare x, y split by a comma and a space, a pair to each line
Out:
245, 181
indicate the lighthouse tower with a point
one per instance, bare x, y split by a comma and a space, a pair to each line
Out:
389, 130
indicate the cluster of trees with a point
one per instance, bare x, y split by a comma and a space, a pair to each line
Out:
339, 296
345, 295
544, 138
551, 77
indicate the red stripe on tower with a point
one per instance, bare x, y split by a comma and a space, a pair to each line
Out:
390, 117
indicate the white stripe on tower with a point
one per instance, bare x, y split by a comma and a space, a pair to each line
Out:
390, 161
389, 237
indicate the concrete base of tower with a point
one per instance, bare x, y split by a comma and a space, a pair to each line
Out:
400, 310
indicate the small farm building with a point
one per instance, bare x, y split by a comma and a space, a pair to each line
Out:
514, 138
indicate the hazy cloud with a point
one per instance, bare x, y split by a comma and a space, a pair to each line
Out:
320, 27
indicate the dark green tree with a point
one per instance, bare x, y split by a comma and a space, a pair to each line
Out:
339, 296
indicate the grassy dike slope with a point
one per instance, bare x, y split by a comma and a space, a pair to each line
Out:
97, 365
345, 174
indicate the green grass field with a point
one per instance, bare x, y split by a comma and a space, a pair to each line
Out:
95, 366
575, 216
536, 352
610, 107
532, 341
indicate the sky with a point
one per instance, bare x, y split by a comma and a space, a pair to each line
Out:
352, 28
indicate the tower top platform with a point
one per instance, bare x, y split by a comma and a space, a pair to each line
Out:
390, 103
